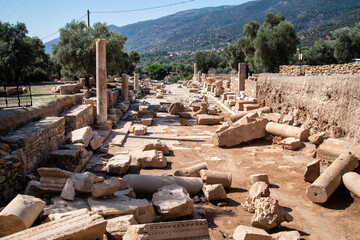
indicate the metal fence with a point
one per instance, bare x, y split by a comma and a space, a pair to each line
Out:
18, 95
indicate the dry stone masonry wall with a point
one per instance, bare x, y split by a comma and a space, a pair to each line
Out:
296, 70
37, 139
78, 117
321, 103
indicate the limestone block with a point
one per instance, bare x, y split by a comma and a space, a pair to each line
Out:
193, 171
84, 181
68, 192
124, 108
52, 180
152, 159
332, 148
33, 189
158, 145
122, 205
317, 139
188, 229
184, 122
185, 115
20, 214
105, 188
80, 226
147, 121
176, 107
82, 135
149, 184
289, 235
286, 131
244, 120
288, 120
312, 171
231, 102
269, 214
117, 226
95, 142
320, 190
243, 232
239, 134
173, 201
272, 117
164, 107
259, 178
205, 119
291, 143
223, 127
65, 158
148, 113
118, 164
140, 130
144, 108
352, 182
240, 104
214, 192
159, 95
248, 107
257, 190
215, 177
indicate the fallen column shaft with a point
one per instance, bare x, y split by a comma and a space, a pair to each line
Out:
352, 182
286, 131
193, 171
150, 184
20, 214
214, 177
80, 226
237, 116
330, 179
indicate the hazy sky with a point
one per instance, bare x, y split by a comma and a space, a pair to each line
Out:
45, 17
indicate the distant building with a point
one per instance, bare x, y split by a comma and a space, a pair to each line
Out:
355, 60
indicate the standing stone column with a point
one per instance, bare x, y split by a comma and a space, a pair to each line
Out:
195, 72
101, 88
198, 76
241, 76
136, 81
125, 87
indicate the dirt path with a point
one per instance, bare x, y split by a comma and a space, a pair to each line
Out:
339, 218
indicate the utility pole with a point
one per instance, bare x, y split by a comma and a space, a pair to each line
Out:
88, 13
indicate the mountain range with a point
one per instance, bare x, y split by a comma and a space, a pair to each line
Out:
218, 26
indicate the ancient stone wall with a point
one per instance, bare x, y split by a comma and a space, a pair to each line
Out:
234, 84
251, 87
296, 70
321, 103
37, 140
24, 116
78, 117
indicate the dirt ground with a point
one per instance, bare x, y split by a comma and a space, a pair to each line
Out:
339, 218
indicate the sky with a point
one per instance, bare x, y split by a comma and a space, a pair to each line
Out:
46, 17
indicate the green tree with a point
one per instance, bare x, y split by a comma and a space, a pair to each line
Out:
233, 55
206, 60
270, 45
20, 54
320, 53
347, 43
157, 71
76, 51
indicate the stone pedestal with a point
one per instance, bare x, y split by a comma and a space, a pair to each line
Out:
101, 88
125, 87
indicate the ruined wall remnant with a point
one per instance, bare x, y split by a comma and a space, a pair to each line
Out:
296, 70
320, 103
78, 117
24, 116
37, 139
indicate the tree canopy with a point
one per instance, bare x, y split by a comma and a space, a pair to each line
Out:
347, 43
206, 60
76, 51
157, 71
20, 54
